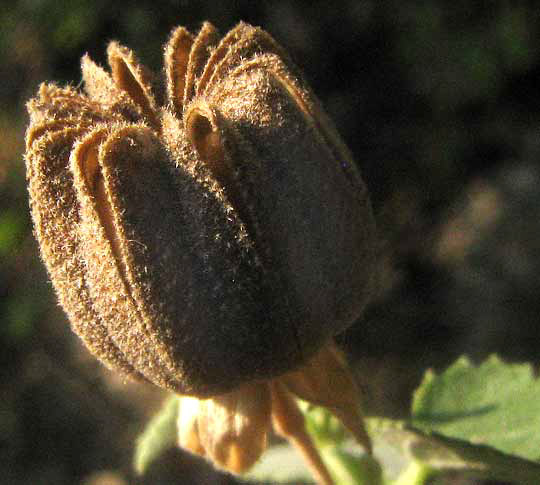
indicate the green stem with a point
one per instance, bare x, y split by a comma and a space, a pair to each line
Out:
347, 468
416, 474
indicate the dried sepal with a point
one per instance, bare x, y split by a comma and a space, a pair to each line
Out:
188, 425
231, 429
325, 380
288, 422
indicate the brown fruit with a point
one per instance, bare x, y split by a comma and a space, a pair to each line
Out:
219, 236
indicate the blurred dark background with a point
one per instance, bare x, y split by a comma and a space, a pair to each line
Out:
441, 107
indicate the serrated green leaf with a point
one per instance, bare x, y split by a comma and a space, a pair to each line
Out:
495, 404
405, 453
160, 434
350, 464
441, 452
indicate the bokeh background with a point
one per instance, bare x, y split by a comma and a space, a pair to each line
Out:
440, 105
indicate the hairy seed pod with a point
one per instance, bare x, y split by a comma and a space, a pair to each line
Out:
204, 229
